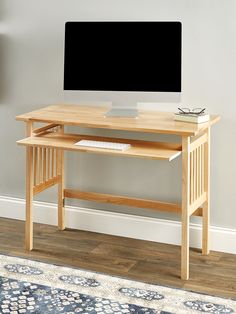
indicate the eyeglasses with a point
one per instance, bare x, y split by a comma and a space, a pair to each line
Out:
195, 111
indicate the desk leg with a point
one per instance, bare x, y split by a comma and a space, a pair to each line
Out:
185, 207
206, 206
29, 193
60, 172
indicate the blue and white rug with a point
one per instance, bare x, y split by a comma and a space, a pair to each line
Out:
28, 286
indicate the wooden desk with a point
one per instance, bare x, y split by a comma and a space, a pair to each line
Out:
45, 148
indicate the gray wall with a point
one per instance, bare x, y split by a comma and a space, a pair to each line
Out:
31, 72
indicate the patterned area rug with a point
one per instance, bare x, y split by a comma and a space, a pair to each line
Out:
32, 287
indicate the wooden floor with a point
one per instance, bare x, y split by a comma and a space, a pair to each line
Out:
134, 259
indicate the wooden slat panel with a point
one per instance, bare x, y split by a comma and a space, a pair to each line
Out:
199, 202
44, 164
48, 163
199, 141
197, 167
191, 178
197, 212
203, 168
45, 185
197, 194
194, 175
40, 165
197, 172
53, 162
200, 171
35, 153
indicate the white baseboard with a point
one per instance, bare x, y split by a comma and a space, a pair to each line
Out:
138, 227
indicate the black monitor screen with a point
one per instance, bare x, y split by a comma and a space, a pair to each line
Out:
123, 56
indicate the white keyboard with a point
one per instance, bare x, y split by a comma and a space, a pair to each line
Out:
105, 145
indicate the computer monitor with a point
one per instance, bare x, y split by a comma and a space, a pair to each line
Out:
123, 62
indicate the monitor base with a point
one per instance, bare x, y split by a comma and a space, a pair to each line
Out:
122, 112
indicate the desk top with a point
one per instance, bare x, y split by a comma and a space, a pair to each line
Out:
94, 117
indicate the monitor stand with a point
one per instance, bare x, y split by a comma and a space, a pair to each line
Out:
123, 111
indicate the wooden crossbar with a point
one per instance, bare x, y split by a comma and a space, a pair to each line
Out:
45, 185
127, 201
45, 128
122, 200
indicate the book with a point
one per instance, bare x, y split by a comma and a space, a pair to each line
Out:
193, 118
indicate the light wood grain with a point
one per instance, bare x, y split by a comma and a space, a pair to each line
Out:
40, 164
203, 167
94, 117
53, 162
123, 200
194, 175
45, 128
198, 202
197, 171
29, 192
206, 206
61, 185
35, 168
198, 141
44, 164
197, 212
185, 207
127, 201
191, 177
48, 161
144, 149
45, 185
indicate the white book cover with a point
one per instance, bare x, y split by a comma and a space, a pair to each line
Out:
192, 118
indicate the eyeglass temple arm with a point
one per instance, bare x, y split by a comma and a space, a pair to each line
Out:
181, 110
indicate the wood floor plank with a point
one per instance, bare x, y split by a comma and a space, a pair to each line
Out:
137, 254
140, 260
